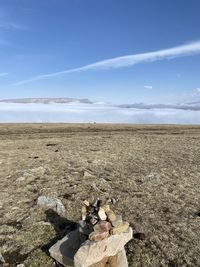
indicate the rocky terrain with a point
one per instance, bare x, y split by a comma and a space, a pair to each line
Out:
153, 172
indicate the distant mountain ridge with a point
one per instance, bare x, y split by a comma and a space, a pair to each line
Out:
43, 100
195, 106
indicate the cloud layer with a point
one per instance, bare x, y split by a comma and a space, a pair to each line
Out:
127, 61
77, 113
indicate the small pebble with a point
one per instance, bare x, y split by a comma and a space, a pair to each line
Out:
84, 213
85, 202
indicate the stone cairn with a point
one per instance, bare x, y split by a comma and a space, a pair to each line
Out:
99, 240
99, 221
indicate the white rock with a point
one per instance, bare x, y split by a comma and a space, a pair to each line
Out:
93, 252
20, 179
88, 175
20, 265
39, 171
102, 214
51, 203
118, 260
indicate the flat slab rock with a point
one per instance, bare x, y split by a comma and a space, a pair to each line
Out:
70, 251
65, 249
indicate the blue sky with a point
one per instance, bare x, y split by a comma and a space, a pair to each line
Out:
51, 36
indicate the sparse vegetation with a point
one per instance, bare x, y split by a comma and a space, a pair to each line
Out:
153, 170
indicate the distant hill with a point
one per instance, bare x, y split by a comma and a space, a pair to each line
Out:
195, 106
47, 100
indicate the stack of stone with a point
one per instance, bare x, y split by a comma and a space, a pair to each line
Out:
99, 240
99, 221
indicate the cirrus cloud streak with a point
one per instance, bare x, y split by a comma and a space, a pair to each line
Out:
126, 61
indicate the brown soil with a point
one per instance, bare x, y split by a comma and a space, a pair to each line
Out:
153, 171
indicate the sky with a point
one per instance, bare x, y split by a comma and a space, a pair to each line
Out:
116, 51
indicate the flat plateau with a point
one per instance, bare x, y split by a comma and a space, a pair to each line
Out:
152, 170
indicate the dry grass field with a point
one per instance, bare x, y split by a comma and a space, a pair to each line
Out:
153, 171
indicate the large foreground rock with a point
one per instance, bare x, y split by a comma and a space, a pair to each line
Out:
70, 252
92, 252
118, 260
64, 250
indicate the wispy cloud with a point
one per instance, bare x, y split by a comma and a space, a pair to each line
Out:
4, 42
148, 86
3, 74
127, 61
7, 25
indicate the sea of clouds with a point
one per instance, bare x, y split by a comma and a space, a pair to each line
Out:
90, 113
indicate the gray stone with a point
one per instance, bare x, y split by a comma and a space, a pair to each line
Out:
51, 203
64, 250
1, 260
88, 175
20, 179
39, 171
85, 228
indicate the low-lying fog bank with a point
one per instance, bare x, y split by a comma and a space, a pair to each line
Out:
86, 113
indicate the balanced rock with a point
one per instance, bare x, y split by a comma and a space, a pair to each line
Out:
106, 208
118, 221
102, 214
111, 216
105, 226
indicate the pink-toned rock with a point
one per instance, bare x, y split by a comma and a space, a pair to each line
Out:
105, 226
97, 236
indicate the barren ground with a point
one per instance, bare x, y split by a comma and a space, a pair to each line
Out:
154, 172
